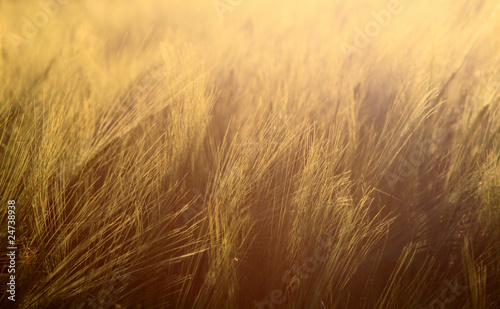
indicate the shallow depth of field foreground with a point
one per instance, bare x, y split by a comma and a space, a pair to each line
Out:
250, 154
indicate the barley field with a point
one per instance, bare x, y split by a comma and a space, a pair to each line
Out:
250, 154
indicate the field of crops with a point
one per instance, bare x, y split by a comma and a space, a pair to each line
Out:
250, 154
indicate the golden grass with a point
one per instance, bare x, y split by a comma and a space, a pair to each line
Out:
161, 157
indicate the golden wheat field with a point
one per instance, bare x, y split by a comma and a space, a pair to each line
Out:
250, 154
